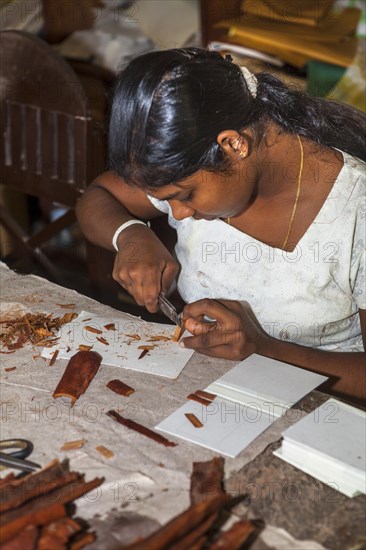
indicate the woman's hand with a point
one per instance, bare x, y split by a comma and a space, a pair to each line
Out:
235, 333
143, 266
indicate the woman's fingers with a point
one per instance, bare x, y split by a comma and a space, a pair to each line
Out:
213, 334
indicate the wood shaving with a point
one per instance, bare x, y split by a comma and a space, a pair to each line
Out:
53, 358
71, 445
134, 336
66, 306
159, 338
92, 329
110, 326
103, 340
198, 399
38, 329
104, 451
148, 348
83, 347
9, 369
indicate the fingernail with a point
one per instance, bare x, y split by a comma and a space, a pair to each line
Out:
181, 343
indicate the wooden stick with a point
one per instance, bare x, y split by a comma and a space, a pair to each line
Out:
141, 429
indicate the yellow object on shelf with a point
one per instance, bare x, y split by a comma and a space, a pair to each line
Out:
332, 42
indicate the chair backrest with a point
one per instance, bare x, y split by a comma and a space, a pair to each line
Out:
50, 147
45, 129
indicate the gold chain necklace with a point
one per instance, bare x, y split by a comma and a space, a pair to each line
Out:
228, 220
297, 192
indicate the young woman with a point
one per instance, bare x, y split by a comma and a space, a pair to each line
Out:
266, 190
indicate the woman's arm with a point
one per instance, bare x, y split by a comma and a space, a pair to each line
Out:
236, 334
143, 266
108, 203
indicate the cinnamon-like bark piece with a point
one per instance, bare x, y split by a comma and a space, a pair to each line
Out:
198, 399
47, 508
93, 329
56, 534
205, 395
104, 451
80, 371
25, 540
53, 358
141, 429
178, 333
207, 480
15, 492
180, 526
72, 445
193, 420
120, 387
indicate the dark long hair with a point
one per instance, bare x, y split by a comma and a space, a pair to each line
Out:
169, 106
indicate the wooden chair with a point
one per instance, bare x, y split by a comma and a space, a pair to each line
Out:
50, 147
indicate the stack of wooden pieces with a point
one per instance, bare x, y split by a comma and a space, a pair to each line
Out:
200, 525
35, 511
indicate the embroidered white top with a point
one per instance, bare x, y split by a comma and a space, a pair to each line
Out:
310, 296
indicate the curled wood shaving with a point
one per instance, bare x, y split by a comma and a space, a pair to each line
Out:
110, 326
103, 340
83, 347
159, 338
38, 329
104, 451
71, 445
134, 336
92, 329
145, 350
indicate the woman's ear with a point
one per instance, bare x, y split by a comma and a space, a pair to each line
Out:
233, 144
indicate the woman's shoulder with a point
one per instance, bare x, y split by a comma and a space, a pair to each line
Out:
354, 164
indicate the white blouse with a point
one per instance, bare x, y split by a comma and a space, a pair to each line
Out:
310, 296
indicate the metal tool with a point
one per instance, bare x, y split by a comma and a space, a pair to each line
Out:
169, 310
16, 459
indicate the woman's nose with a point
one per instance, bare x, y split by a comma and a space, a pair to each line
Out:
181, 211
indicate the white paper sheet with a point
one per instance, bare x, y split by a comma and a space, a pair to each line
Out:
330, 444
166, 359
227, 427
250, 397
265, 383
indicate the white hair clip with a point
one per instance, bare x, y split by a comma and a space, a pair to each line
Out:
251, 81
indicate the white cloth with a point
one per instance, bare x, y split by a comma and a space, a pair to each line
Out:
310, 296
